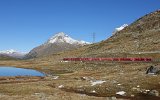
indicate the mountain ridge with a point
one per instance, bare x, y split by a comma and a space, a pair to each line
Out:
62, 37
140, 38
12, 53
58, 43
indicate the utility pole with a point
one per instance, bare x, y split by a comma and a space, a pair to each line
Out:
94, 37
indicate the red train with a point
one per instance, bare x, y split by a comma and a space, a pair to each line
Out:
108, 59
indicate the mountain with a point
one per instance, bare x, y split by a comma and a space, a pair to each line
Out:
5, 57
63, 38
12, 53
57, 43
141, 36
119, 28
139, 39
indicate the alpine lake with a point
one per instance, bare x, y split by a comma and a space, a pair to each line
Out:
8, 71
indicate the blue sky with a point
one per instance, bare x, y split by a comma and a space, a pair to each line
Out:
25, 24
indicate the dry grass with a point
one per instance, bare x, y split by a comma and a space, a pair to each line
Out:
71, 74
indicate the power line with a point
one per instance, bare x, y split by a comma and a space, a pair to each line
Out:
94, 37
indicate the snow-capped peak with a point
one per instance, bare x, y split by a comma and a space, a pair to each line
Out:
7, 51
63, 38
13, 53
119, 28
60, 34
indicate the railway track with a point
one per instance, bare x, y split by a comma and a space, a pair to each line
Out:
113, 59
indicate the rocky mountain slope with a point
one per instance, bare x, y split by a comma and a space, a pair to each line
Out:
58, 43
142, 36
139, 38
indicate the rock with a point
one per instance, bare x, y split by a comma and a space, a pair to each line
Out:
93, 83
153, 93
84, 78
152, 70
136, 89
158, 72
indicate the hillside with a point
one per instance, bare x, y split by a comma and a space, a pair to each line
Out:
139, 38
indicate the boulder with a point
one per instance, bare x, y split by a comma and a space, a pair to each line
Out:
152, 70
153, 93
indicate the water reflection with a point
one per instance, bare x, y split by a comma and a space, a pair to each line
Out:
13, 71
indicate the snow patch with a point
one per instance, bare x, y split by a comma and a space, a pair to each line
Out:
64, 61
147, 90
119, 84
121, 93
63, 38
55, 77
97, 82
93, 91
119, 28
61, 86
138, 86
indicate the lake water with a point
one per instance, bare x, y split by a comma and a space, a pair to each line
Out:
13, 71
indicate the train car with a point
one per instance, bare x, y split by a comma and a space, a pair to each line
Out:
110, 59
